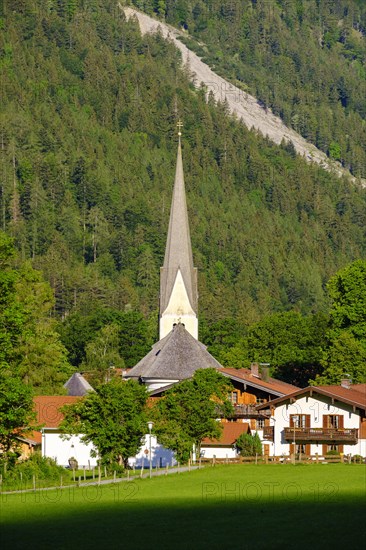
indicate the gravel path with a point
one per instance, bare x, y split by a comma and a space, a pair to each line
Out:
243, 105
145, 474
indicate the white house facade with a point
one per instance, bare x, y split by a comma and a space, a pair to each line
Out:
61, 450
224, 448
49, 416
318, 420
160, 456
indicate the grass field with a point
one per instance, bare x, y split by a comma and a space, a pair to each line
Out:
238, 506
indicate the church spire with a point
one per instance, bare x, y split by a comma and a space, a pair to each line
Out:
178, 277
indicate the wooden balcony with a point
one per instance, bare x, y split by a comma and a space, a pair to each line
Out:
344, 435
245, 411
268, 433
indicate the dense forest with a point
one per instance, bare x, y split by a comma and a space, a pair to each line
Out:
88, 146
305, 59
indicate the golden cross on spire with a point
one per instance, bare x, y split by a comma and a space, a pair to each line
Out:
179, 126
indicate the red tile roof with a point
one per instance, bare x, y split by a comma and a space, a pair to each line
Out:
230, 433
271, 384
48, 407
355, 395
34, 437
356, 392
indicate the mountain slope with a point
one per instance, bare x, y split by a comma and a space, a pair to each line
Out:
304, 60
240, 103
87, 152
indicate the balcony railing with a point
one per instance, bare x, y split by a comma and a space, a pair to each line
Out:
268, 433
242, 411
349, 435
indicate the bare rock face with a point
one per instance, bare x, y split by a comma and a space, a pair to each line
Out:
240, 103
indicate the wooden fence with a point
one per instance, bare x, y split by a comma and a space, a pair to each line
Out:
297, 459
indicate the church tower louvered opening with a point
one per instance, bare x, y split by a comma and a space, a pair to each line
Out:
178, 277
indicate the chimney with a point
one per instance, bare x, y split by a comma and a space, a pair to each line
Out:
346, 383
254, 369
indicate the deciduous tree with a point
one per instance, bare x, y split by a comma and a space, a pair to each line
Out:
188, 412
112, 419
345, 352
16, 411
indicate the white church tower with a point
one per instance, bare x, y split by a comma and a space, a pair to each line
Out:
178, 277
178, 353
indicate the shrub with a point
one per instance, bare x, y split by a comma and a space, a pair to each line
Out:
249, 445
115, 467
43, 468
357, 459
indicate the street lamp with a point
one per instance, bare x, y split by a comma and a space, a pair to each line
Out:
294, 421
150, 426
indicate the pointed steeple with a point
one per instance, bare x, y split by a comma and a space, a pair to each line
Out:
178, 277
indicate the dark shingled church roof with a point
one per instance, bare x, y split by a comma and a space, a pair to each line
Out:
77, 385
175, 357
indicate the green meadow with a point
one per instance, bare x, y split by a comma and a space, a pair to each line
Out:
238, 506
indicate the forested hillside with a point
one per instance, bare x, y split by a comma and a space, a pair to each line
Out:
88, 146
303, 58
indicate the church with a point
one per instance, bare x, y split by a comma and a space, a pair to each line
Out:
178, 353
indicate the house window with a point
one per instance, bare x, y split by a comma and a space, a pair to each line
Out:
300, 420
334, 421
332, 448
300, 449
233, 397
259, 425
